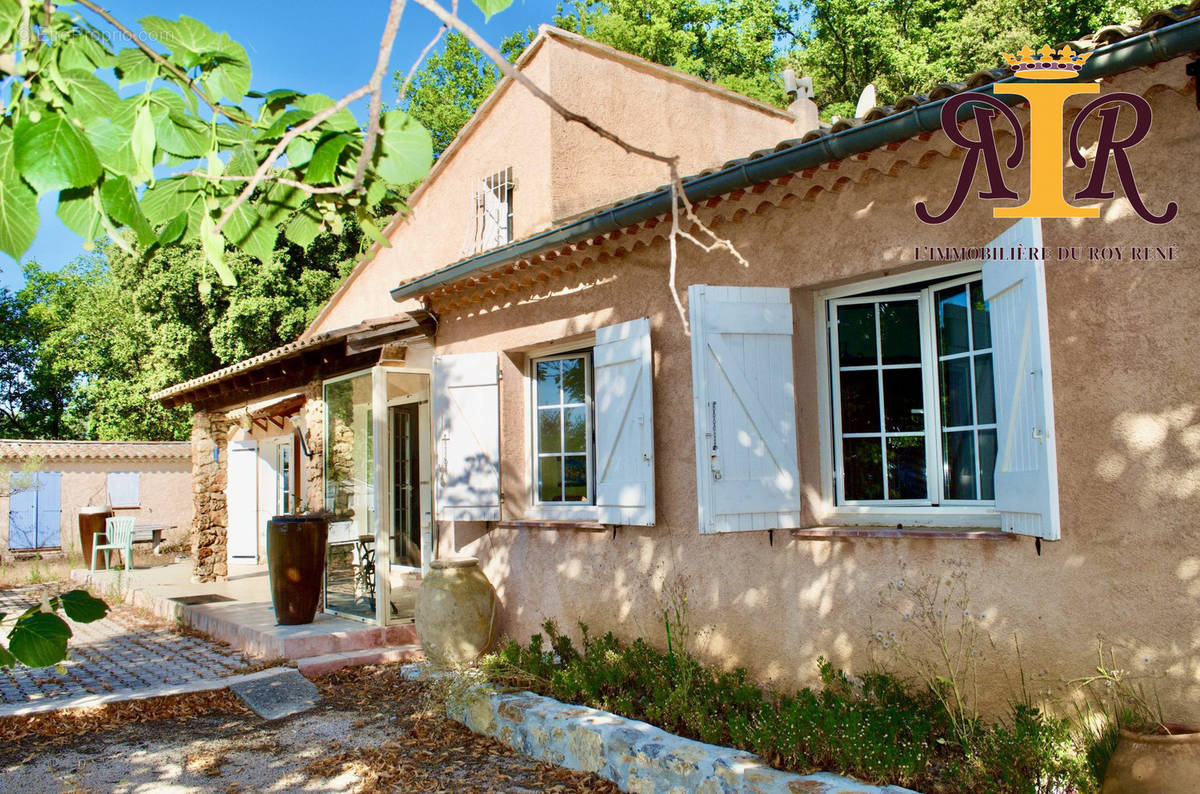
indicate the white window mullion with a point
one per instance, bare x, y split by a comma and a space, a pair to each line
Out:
932, 406
883, 448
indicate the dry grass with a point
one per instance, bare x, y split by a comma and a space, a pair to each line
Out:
50, 567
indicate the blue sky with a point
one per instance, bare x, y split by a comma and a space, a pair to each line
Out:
315, 47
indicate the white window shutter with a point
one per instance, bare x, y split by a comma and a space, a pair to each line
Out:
466, 405
1026, 462
624, 424
747, 476
123, 489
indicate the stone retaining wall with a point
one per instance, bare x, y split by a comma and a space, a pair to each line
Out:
638, 757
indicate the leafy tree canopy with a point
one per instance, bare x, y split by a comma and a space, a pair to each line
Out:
115, 327
909, 46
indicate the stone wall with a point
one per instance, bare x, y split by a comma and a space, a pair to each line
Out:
211, 517
314, 416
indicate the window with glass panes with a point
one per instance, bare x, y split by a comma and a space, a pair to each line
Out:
562, 437
913, 399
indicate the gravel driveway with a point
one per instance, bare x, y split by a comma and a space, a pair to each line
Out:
372, 732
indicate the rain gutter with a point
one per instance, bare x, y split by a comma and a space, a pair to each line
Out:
1144, 49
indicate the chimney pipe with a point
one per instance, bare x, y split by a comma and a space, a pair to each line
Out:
802, 108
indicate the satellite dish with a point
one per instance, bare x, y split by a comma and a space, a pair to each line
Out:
866, 101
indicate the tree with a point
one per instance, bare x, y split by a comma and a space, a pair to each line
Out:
909, 46
33, 395
727, 42
122, 326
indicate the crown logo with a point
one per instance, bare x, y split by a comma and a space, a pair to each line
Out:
1047, 67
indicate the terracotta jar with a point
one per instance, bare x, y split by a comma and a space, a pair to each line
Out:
456, 612
91, 522
1147, 763
296, 562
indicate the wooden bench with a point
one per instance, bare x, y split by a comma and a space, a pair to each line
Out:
149, 533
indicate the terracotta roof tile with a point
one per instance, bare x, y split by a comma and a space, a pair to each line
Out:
95, 450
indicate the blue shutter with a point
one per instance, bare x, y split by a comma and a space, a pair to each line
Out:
49, 510
22, 511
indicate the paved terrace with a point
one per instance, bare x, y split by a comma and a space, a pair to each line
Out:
125, 652
238, 612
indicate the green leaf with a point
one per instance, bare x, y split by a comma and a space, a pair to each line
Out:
10, 17
18, 204
84, 51
178, 133
82, 607
376, 190
6, 658
404, 152
299, 152
174, 229
213, 245
189, 40
77, 209
323, 167
53, 154
230, 78
169, 198
121, 204
342, 121
111, 139
285, 122
142, 143
91, 97
134, 66
280, 201
370, 229
40, 639
248, 231
491, 7
303, 228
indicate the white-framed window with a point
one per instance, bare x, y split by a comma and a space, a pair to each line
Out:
913, 400
563, 439
124, 489
285, 497
492, 221
594, 401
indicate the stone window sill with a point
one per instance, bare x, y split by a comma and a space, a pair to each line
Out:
585, 526
850, 533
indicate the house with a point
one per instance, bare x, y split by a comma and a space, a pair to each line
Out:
43, 485
857, 397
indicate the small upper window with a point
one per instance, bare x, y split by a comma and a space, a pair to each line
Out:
913, 396
562, 436
493, 216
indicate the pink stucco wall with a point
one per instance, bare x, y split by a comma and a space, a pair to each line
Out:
559, 168
1123, 341
165, 493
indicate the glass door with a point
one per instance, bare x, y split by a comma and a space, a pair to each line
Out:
406, 487
350, 565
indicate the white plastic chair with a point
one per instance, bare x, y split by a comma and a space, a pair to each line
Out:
118, 535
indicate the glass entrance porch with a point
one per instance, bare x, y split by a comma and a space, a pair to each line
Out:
377, 487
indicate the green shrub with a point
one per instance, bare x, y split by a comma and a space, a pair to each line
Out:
878, 728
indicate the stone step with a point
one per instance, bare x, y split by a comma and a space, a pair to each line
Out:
318, 665
235, 625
